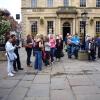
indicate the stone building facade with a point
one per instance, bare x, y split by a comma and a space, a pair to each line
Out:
60, 16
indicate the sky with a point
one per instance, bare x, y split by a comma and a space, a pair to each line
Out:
14, 6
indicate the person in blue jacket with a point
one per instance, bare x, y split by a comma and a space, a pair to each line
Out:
75, 45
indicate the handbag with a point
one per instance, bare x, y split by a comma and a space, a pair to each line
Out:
12, 57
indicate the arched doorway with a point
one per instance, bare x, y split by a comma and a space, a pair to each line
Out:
66, 29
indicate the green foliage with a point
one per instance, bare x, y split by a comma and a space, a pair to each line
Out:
4, 26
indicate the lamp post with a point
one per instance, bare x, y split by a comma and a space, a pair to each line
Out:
84, 18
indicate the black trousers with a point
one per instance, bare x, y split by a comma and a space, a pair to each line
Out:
98, 52
29, 52
92, 55
17, 61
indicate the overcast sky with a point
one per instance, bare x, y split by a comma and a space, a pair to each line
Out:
14, 6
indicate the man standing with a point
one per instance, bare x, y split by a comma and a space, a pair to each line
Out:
17, 61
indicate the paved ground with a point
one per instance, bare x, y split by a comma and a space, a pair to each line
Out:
65, 80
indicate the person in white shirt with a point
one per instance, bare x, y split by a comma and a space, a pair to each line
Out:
11, 56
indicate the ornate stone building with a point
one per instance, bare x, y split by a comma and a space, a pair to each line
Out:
60, 16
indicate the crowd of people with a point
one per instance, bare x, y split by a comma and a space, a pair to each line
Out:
45, 49
48, 49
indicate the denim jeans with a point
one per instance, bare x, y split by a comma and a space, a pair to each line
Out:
52, 53
38, 60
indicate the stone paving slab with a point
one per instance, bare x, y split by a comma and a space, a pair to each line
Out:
4, 92
79, 80
18, 93
39, 90
61, 95
28, 77
42, 79
36, 98
25, 84
7, 84
59, 84
79, 90
88, 97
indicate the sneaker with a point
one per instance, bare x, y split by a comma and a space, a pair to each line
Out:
10, 74
14, 72
20, 68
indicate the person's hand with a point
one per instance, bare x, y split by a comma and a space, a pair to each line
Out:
89, 51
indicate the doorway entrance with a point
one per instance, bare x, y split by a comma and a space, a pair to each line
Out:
66, 29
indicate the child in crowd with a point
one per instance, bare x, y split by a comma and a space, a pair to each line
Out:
47, 51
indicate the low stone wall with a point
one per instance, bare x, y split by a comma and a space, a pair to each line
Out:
3, 56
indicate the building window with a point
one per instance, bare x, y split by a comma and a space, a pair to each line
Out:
49, 3
97, 26
34, 28
82, 26
50, 29
82, 3
66, 3
97, 3
34, 3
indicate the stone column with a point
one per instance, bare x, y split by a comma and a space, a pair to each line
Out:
58, 26
74, 26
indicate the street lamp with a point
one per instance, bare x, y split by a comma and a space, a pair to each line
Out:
84, 18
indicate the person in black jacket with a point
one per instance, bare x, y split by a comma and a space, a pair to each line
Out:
98, 46
17, 61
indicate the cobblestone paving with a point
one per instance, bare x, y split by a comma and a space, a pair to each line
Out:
64, 80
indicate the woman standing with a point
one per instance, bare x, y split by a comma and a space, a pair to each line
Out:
38, 53
28, 48
52, 42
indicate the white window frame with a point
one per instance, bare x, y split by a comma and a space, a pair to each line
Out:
97, 3
66, 3
83, 3
97, 26
36, 28
34, 3
49, 3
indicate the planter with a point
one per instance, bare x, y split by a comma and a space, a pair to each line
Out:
2, 52
82, 55
3, 56
2, 47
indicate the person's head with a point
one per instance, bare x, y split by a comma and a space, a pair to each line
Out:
76, 35
46, 39
29, 36
13, 37
9, 38
51, 36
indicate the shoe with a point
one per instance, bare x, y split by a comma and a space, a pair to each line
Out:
11, 74
14, 72
29, 65
21, 69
